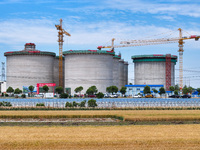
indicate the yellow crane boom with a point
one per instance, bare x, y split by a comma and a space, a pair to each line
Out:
61, 33
179, 39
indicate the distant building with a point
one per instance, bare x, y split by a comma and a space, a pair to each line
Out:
3, 86
135, 89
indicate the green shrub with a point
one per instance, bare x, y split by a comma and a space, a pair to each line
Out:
64, 95
68, 104
40, 104
6, 95
2, 94
92, 103
82, 104
75, 104
5, 104
23, 96
100, 95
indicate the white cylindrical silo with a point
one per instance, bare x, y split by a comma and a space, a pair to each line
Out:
116, 81
87, 68
121, 73
125, 73
29, 67
151, 69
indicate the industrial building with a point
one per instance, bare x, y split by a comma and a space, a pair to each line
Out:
29, 67
81, 68
94, 67
135, 89
156, 69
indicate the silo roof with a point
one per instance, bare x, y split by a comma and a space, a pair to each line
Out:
117, 56
153, 57
88, 52
36, 52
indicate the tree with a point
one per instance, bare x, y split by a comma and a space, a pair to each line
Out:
64, 95
91, 90
75, 104
10, 90
112, 89
177, 87
31, 88
176, 92
68, 104
82, 104
147, 90
94, 89
162, 91
17, 91
171, 88
45, 88
190, 89
123, 90
100, 95
185, 90
155, 91
79, 89
92, 103
198, 90
59, 89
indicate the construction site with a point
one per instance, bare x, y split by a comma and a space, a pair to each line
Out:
102, 68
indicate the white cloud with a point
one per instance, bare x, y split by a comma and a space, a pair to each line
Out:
189, 9
167, 18
43, 31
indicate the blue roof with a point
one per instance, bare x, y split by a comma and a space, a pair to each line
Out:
144, 85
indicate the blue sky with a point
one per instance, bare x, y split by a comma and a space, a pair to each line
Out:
92, 23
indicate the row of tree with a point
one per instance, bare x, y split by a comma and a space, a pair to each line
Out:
147, 90
31, 88
174, 89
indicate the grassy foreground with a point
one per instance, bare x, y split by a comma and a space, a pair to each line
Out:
128, 115
184, 137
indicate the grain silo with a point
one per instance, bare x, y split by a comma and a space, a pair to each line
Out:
116, 59
121, 73
29, 67
125, 73
87, 68
155, 69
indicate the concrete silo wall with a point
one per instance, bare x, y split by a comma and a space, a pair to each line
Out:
149, 73
125, 73
116, 72
26, 70
87, 70
121, 73
151, 69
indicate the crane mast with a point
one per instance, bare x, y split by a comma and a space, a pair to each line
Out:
61, 33
180, 59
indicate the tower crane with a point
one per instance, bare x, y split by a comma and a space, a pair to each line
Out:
61, 33
179, 39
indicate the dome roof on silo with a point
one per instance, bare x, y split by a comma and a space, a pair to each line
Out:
88, 52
